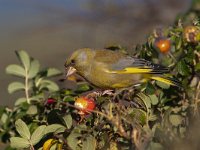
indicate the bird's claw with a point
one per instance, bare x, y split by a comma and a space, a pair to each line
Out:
100, 93
108, 92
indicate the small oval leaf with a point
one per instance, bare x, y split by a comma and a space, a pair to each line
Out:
163, 85
38, 134
89, 143
22, 129
82, 88
32, 110
19, 143
53, 72
19, 101
15, 86
34, 68
16, 70
146, 100
50, 85
182, 68
72, 140
68, 121
154, 99
24, 58
55, 128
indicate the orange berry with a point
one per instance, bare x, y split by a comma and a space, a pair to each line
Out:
84, 104
191, 34
162, 44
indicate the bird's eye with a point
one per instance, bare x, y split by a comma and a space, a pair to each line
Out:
72, 61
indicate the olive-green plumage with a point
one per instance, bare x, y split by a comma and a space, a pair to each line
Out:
112, 69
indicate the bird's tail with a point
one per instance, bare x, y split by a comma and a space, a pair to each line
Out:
167, 80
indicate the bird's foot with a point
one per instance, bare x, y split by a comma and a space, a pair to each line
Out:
98, 93
108, 92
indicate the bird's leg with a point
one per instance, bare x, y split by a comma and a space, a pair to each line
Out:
98, 93
113, 93
108, 92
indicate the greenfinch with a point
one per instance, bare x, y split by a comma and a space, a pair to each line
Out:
108, 69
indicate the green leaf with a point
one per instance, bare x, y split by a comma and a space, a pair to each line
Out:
163, 85
72, 140
175, 119
4, 118
24, 58
15, 86
32, 110
34, 68
53, 72
38, 134
33, 126
137, 114
19, 101
154, 99
82, 88
36, 97
55, 128
183, 68
146, 100
16, 70
38, 81
68, 99
178, 43
150, 89
89, 143
68, 121
68, 92
50, 85
19, 143
20, 115
22, 129
197, 67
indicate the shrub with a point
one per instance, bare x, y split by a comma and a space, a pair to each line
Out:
151, 116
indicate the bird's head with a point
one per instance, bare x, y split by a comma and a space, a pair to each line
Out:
79, 61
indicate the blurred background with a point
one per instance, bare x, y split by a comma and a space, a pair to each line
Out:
49, 30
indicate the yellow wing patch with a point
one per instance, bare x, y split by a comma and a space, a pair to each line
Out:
132, 70
164, 80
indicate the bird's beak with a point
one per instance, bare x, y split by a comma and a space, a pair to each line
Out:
70, 71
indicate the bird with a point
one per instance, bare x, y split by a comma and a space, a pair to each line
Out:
107, 69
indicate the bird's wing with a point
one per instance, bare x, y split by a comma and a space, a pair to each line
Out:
123, 64
136, 65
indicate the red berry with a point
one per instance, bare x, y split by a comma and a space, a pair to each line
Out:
162, 44
84, 104
91, 105
51, 101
